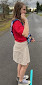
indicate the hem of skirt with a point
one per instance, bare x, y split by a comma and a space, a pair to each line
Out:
21, 63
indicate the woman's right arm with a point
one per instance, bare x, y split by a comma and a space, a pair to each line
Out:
26, 29
26, 26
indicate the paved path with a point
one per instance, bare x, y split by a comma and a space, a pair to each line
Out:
8, 66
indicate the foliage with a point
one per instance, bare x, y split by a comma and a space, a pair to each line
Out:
28, 10
38, 7
5, 7
41, 7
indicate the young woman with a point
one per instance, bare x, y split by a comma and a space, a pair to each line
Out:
20, 49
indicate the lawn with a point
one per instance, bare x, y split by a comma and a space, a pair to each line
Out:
27, 15
40, 14
5, 23
6, 26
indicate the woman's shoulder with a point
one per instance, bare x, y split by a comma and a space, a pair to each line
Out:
17, 22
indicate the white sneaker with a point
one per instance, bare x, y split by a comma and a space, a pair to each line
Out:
25, 77
24, 82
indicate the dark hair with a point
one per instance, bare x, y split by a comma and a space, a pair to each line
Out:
17, 9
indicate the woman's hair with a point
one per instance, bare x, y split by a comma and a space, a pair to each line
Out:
17, 10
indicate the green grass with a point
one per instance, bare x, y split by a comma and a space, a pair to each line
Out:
40, 14
6, 17
3, 23
27, 15
6, 26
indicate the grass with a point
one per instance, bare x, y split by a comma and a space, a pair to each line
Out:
27, 15
6, 17
40, 14
6, 26
3, 23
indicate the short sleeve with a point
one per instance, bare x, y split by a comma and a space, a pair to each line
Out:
18, 27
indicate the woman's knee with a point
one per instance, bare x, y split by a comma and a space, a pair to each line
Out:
25, 66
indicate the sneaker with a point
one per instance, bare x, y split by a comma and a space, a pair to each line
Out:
25, 77
24, 82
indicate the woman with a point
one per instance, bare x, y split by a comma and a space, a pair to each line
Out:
20, 48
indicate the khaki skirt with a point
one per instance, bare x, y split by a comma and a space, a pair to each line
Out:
21, 53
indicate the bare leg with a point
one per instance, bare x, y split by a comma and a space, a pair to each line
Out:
18, 70
22, 72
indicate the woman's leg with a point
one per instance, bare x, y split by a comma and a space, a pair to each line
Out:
18, 70
22, 72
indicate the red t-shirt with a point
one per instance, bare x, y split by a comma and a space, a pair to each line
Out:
17, 31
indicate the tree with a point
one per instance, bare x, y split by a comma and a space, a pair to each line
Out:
37, 6
5, 7
41, 7
27, 10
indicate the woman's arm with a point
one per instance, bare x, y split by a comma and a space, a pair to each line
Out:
26, 29
26, 26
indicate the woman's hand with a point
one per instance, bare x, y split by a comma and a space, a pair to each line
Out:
33, 40
23, 17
